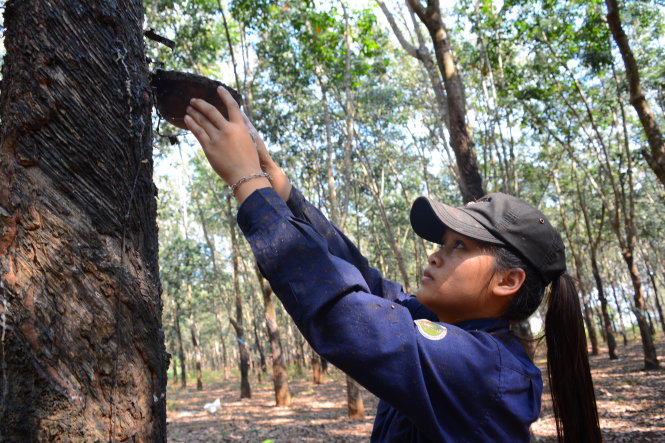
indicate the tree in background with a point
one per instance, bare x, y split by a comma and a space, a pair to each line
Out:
656, 156
356, 120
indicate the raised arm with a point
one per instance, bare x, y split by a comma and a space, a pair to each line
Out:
338, 243
228, 145
439, 376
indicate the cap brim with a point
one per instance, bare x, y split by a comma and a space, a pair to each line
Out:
430, 219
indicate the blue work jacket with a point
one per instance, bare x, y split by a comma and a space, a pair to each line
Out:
436, 382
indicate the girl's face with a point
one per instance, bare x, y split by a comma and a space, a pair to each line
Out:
458, 283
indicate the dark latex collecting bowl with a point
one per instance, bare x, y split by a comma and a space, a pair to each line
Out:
174, 89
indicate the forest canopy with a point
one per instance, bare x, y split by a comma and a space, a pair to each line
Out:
351, 113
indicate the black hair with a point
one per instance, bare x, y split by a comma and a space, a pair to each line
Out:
571, 386
530, 295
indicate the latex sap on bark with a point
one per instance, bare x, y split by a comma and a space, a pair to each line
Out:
174, 89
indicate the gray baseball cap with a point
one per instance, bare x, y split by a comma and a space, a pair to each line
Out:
498, 219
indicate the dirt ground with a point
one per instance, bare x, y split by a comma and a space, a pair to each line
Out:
631, 403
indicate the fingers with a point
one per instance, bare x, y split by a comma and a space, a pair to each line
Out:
249, 124
235, 115
200, 133
209, 111
202, 120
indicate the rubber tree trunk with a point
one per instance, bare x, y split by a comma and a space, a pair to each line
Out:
317, 373
656, 155
621, 322
237, 322
461, 139
82, 354
279, 374
607, 322
175, 373
593, 246
354, 400
259, 348
650, 356
577, 260
194, 334
181, 349
652, 279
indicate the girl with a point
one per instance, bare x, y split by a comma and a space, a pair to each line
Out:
444, 362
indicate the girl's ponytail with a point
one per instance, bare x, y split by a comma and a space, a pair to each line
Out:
573, 397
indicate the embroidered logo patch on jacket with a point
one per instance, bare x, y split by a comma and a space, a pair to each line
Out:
431, 330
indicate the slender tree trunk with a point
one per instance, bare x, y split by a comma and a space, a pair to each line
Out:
593, 245
300, 356
624, 297
197, 358
175, 371
607, 323
591, 329
237, 322
215, 360
82, 350
621, 323
650, 357
652, 279
279, 373
193, 329
354, 400
217, 273
317, 376
652, 328
330, 154
349, 111
225, 359
181, 350
262, 356
422, 54
461, 139
656, 157
377, 193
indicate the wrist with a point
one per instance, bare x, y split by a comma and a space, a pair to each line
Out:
247, 177
248, 187
280, 182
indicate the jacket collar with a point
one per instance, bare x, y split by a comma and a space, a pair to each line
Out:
485, 324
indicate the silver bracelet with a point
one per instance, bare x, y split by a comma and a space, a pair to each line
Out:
248, 178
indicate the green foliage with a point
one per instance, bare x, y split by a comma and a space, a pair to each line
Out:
546, 92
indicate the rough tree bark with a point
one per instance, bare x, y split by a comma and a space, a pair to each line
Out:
656, 157
82, 350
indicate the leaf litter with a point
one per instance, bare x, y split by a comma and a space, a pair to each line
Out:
631, 405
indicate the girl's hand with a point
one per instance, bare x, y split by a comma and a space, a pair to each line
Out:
226, 143
280, 182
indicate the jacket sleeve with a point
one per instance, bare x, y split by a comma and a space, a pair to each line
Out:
371, 338
341, 246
